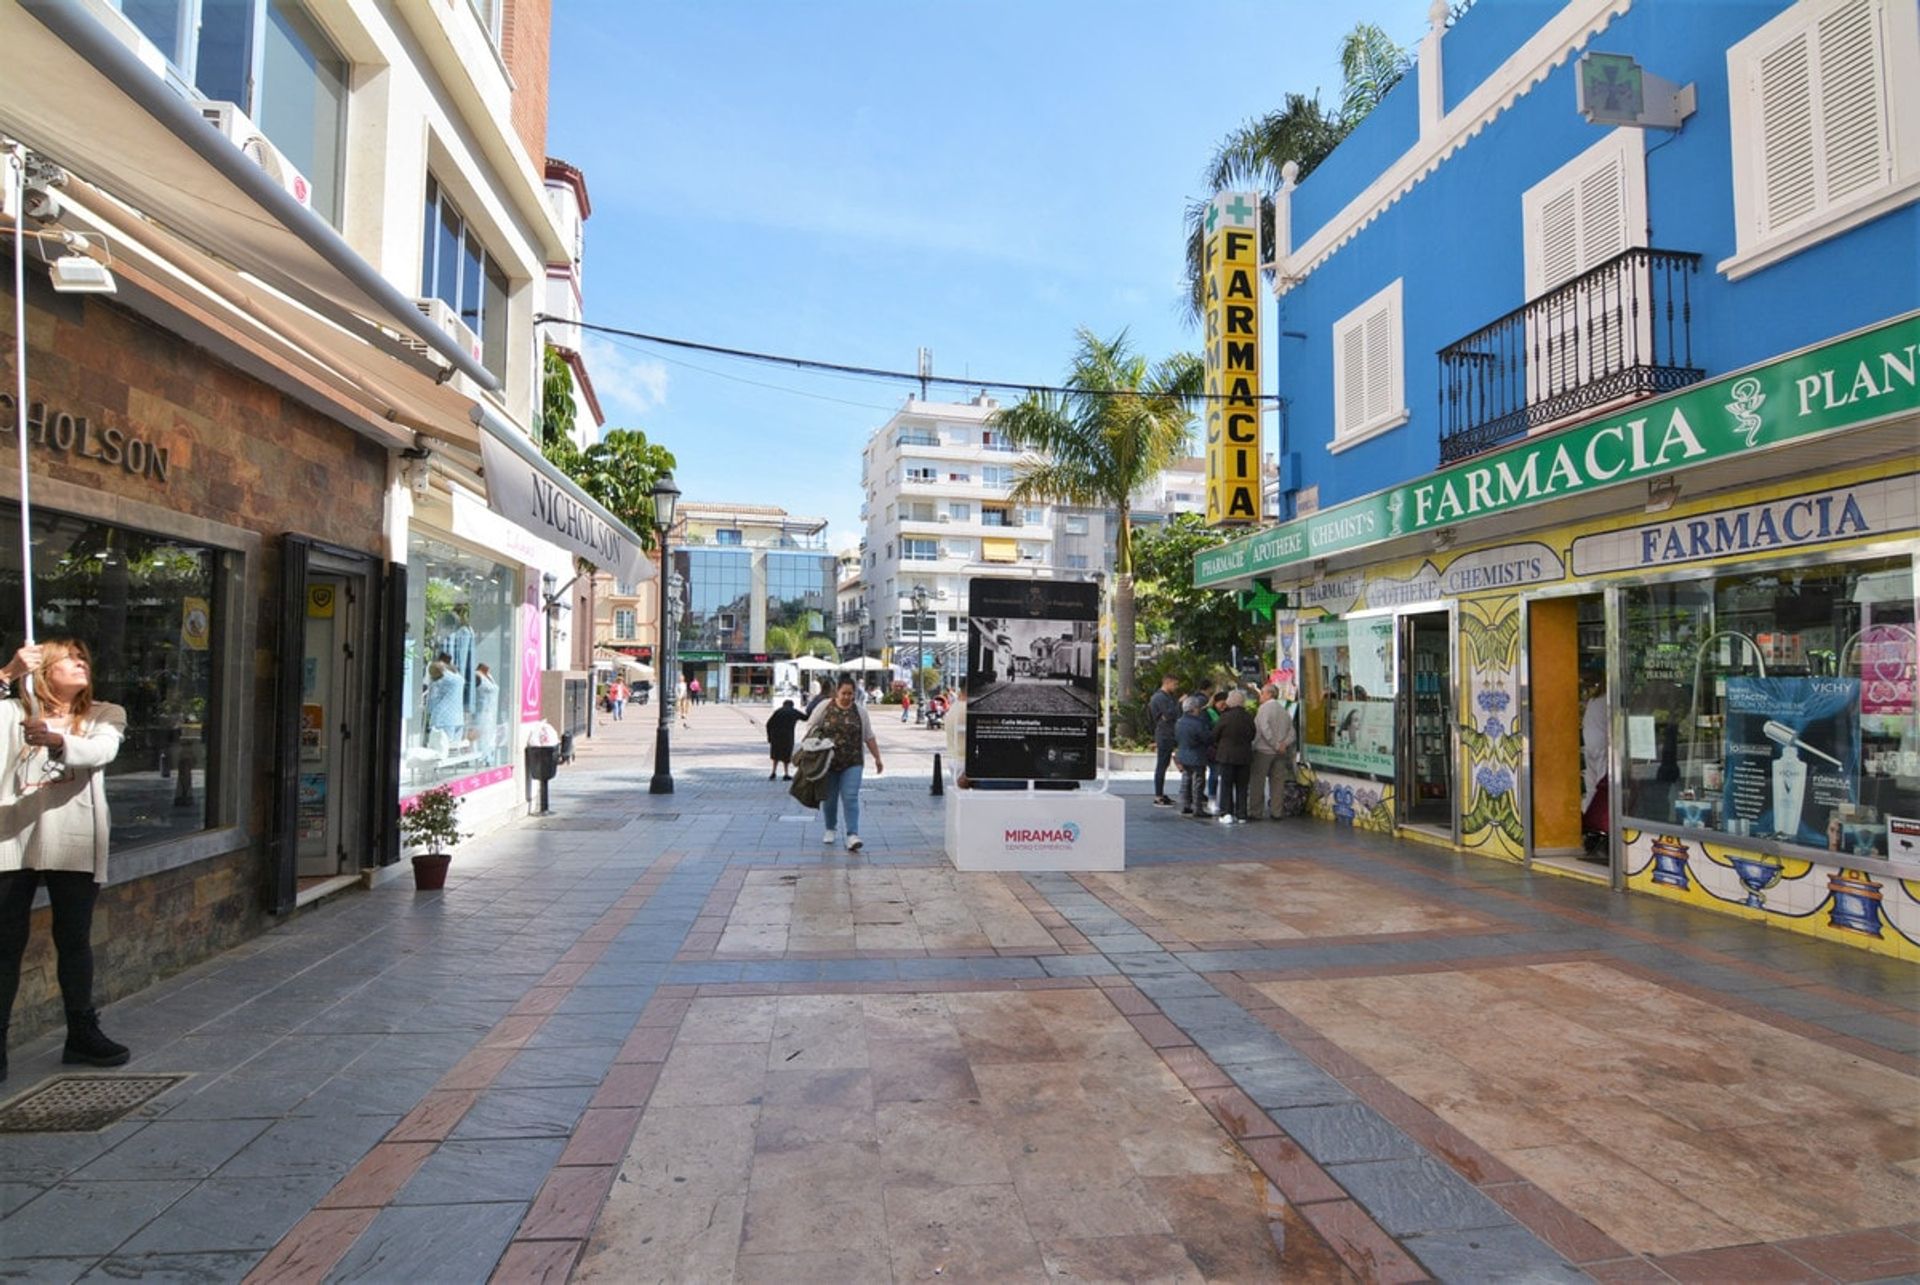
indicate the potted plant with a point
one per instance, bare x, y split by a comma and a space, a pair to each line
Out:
430, 820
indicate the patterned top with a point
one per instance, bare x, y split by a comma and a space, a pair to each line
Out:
845, 728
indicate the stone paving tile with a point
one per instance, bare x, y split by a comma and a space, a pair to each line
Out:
430, 1243
230, 1214
495, 1170
1418, 1195
73, 1218
183, 1269
1490, 1254
170, 1149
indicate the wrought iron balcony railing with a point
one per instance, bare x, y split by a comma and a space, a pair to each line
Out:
1619, 332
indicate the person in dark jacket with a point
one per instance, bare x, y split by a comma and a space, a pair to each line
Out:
1163, 713
1233, 755
1216, 706
780, 725
1193, 737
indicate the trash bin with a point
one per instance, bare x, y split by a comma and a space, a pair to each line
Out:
543, 764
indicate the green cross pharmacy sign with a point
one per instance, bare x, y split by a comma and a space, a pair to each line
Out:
1848, 383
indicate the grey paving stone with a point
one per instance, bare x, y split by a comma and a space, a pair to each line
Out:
226, 1214
414, 1052
1074, 965
1005, 967
537, 1068
1509, 1255
1275, 1083
240, 1096
170, 1149
523, 1113
1345, 1132
46, 1158
1418, 1195
496, 1169
15, 1194
1159, 987
923, 970
1898, 1034
75, 1218
209, 1054
44, 1271
1120, 944
357, 1092
848, 970
695, 974
580, 1030
628, 1000
309, 1146
176, 1269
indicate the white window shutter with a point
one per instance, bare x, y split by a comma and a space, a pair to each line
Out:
1353, 372
1379, 330
1783, 92
1852, 106
1603, 214
1559, 239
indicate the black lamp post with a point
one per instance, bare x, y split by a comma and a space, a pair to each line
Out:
665, 496
920, 656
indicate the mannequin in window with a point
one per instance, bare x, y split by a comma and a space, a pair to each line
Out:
460, 649
486, 711
446, 693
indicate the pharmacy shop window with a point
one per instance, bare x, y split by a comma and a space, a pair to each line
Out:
1776, 706
1346, 695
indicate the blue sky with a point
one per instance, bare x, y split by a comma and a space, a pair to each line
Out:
849, 180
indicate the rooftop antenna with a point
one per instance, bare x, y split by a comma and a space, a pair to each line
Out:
926, 371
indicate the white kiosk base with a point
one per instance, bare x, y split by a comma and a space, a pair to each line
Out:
1032, 830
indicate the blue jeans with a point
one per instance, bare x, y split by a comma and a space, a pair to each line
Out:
843, 789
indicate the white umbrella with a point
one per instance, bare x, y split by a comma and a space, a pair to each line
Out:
814, 665
866, 663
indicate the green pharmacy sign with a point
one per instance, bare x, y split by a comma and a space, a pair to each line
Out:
1849, 383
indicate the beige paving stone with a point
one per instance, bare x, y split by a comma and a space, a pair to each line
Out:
818, 1032
831, 1267
708, 1149
1121, 1259
908, 1017
712, 1075
974, 1233
1060, 1208
744, 1020
940, 1144
1253, 900
825, 1193
664, 1238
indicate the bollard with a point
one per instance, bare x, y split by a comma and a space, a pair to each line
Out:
939, 782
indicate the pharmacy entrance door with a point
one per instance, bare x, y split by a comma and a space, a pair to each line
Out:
1425, 757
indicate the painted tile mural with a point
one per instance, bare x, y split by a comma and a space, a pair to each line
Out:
1490, 742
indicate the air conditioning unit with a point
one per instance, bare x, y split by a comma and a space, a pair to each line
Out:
945, 517
441, 314
241, 132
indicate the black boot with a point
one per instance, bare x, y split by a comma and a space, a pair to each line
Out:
88, 1045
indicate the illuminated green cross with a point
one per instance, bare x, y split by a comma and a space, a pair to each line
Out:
1260, 601
1239, 209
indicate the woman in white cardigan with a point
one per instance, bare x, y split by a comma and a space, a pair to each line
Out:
53, 829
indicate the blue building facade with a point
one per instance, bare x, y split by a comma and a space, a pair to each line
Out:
1598, 345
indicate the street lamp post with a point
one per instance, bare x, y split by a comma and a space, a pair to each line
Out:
920, 656
665, 496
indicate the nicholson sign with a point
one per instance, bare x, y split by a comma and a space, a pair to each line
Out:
541, 500
1844, 384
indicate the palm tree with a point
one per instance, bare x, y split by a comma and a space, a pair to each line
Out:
1251, 156
795, 641
1119, 425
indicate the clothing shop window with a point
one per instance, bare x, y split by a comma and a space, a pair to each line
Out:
1775, 705
459, 685
148, 608
1346, 695
456, 269
272, 60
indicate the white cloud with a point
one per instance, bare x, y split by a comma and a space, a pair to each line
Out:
629, 383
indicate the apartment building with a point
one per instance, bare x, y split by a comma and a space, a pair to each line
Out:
936, 478
279, 320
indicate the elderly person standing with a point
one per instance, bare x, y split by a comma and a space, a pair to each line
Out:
1194, 738
53, 829
1233, 754
1272, 755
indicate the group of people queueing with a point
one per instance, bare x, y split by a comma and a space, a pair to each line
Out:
1236, 763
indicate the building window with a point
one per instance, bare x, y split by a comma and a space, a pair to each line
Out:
490, 13
964, 478
461, 643
920, 550
150, 611
272, 60
1076, 526
457, 270
1775, 706
625, 624
996, 475
1369, 370
994, 517
1346, 695
1033, 517
1585, 212
727, 535
1076, 562
1814, 97
923, 475
960, 512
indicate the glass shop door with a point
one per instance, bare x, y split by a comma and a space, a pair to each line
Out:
1425, 786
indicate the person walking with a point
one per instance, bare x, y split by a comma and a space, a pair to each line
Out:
847, 726
1163, 715
694, 690
618, 694
780, 725
1193, 739
1272, 756
906, 705
1233, 754
53, 830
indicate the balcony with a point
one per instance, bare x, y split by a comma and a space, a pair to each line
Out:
1615, 334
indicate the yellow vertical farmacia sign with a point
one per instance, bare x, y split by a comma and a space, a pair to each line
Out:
1232, 276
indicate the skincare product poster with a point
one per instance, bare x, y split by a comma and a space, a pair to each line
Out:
1793, 755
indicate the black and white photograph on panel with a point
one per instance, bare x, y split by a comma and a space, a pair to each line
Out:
1033, 709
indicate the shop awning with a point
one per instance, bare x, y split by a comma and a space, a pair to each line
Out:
526, 489
76, 94
992, 550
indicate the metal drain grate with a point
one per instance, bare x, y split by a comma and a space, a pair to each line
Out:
82, 1103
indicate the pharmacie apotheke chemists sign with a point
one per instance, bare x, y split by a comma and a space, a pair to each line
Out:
1841, 385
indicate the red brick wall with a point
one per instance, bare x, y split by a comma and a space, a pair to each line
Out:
241, 454
525, 44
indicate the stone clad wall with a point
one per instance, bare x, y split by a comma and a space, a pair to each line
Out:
239, 452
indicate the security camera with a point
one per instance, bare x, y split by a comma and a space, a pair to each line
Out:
42, 205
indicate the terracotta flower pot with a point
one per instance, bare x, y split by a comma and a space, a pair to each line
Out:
430, 871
